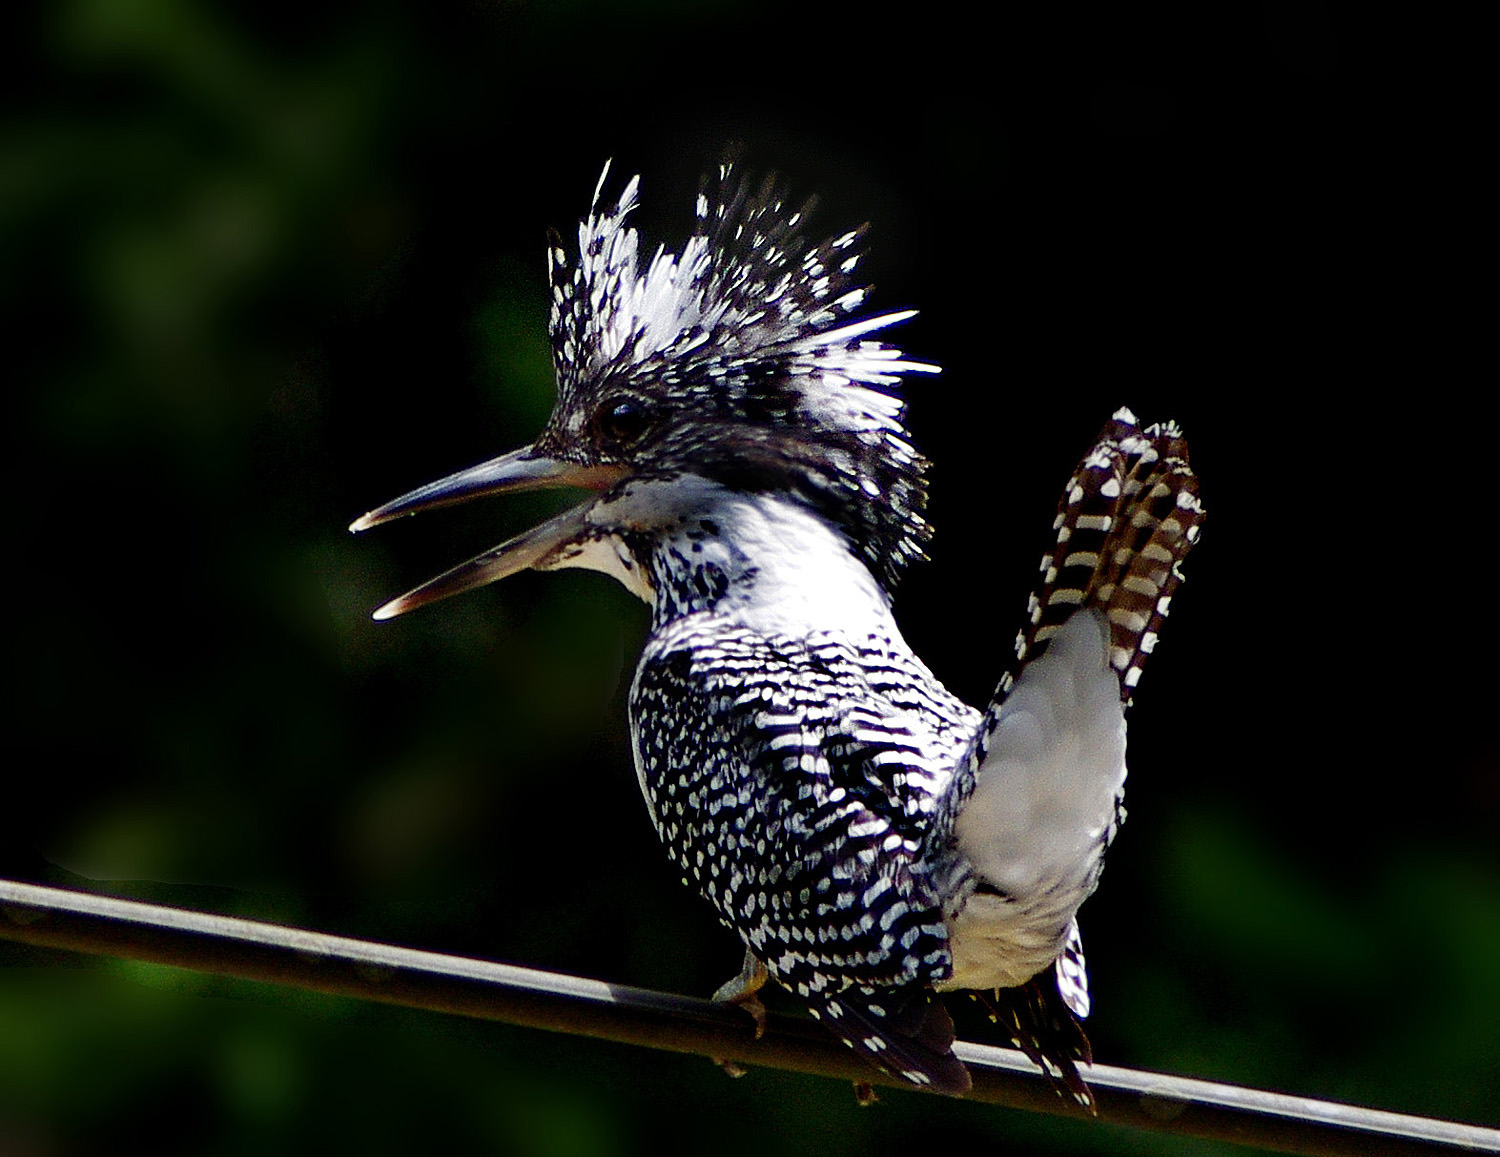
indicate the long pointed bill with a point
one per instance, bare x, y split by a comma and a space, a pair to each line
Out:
523, 469
535, 547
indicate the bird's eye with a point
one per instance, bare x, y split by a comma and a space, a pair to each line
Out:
622, 421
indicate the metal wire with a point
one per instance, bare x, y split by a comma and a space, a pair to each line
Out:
107, 926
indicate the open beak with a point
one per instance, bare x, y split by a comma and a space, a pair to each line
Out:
523, 469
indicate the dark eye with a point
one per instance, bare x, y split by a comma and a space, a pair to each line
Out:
622, 421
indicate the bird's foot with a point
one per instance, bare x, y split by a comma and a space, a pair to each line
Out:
742, 991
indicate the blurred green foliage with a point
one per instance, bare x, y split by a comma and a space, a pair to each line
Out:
267, 266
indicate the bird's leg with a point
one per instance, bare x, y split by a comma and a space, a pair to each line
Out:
742, 991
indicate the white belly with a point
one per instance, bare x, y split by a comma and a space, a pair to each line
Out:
997, 943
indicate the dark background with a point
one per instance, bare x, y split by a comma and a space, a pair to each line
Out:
263, 267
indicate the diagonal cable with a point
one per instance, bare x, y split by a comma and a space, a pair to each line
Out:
339, 965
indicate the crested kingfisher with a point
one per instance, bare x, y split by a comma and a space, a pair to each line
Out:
873, 840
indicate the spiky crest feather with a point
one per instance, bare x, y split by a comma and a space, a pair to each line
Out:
750, 339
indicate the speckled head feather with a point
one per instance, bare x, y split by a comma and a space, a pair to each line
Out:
742, 358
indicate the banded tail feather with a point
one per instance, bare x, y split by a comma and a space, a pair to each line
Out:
1039, 796
1128, 516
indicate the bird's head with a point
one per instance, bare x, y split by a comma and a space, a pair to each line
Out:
743, 360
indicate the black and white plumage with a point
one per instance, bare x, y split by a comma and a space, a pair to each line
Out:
871, 839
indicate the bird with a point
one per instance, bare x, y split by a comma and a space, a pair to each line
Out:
738, 421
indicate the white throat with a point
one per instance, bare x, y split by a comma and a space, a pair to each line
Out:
763, 560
